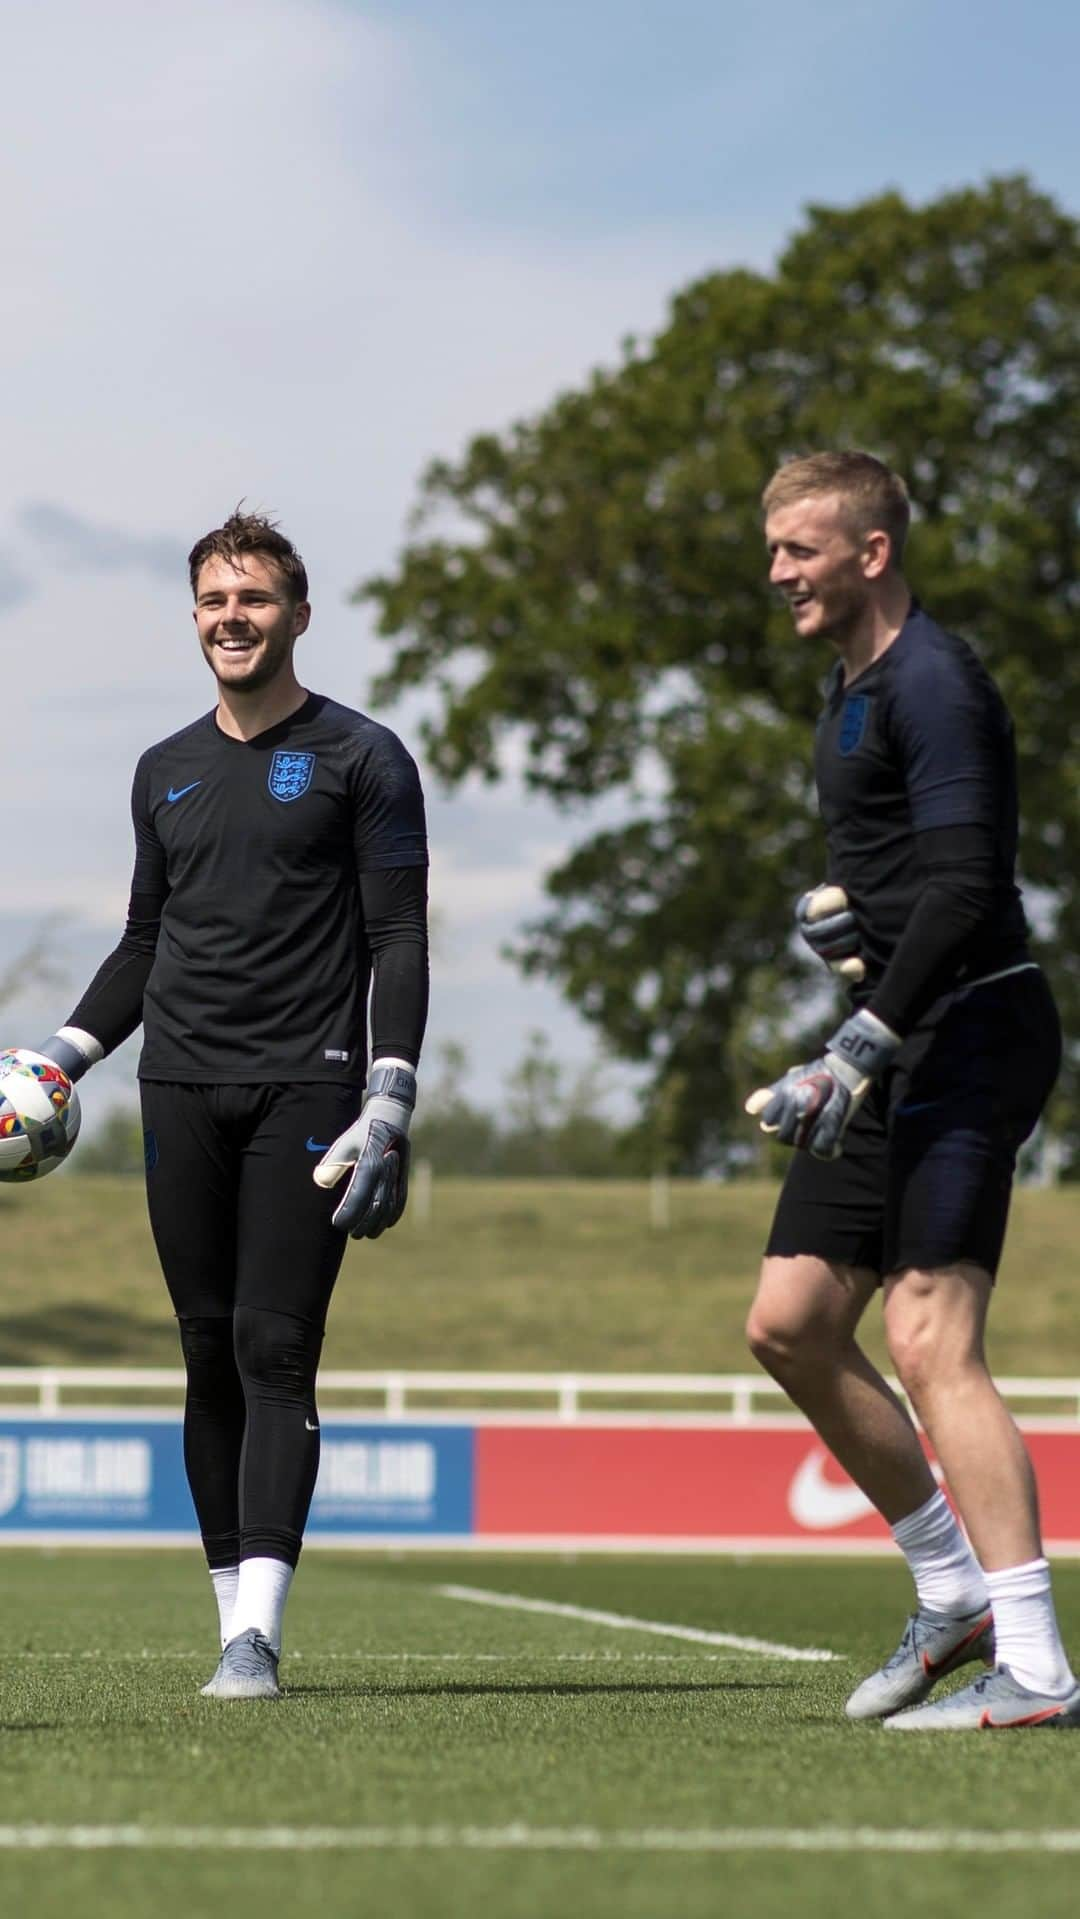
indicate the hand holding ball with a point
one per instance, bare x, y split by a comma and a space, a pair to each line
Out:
40, 1114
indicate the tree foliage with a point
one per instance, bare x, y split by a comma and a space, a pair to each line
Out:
591, 583
115, 1148
34, 965
549, 1124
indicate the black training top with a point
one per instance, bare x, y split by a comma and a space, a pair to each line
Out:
913, 749
247, 952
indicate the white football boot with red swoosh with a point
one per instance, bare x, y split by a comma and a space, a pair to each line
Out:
995, 1703
933, 1644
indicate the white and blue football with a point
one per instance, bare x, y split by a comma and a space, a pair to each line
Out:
40, 1115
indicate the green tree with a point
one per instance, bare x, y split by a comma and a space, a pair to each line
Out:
556, 1127
116, 1145
34, 965
456, 1136
591, 583
548, 1124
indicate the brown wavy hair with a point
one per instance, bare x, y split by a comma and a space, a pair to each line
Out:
250, 533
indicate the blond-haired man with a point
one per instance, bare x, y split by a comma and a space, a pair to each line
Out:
906, 1128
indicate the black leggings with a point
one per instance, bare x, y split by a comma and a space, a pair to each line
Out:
250, 1259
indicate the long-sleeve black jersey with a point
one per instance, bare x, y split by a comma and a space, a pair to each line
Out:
269, 875
915, 764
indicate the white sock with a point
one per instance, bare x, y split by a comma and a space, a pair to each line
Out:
261, 1592
948, 1577
223, 1579
1026, 1629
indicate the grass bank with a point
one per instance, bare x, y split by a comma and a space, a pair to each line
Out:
530, 1274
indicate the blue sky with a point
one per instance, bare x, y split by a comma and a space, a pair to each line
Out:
588, 118
291, 249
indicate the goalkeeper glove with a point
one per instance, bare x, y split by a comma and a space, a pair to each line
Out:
827, 924
376, 1147
813, 1105
72, 1050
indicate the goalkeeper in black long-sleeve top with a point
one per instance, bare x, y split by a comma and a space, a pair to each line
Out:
280, 875
906, 1129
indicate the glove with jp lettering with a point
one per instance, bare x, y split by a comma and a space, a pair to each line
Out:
813, 1105
376, 1149
827, 924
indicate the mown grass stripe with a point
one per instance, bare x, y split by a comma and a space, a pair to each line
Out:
522, 1838
625, 1622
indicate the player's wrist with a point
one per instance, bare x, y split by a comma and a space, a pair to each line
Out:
391, 1092
73, 1050
862, 1048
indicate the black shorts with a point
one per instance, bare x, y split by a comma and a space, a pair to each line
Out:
926, 1173
236, 1216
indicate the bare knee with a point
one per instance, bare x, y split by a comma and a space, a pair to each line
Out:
803, 1316
773, 1339
911, 1350
934, 1330
786, 1350
926, 1367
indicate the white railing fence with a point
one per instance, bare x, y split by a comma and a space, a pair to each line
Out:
401, 1395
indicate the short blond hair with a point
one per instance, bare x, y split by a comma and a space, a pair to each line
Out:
875, 496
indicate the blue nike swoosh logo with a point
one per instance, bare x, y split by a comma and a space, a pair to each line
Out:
918, 1106
175, 793
314, 1147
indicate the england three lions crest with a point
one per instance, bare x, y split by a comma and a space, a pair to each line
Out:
290, 775
853, 722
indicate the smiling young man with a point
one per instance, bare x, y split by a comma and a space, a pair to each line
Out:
906, 1128
280, 871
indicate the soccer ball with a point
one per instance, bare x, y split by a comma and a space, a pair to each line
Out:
40, 1115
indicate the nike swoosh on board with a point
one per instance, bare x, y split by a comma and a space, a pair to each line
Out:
819, 1503
175, 793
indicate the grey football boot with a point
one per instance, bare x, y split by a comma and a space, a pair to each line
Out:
995, 1703
247, 1669
933, 1644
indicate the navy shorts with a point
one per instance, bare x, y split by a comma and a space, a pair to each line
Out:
927, 1168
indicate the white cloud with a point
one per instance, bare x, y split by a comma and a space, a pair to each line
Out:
496, 889
223, 279
224, 282
76, 542
477, 908
14, 587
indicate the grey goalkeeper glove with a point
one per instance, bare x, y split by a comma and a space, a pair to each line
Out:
813, 1105
72, 1050
827, 924
376, 1149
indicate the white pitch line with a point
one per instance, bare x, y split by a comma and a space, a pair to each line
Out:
624, 1622
532, 1654
522, 1838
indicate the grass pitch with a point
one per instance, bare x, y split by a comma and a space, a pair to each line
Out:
438, 1757
528, 1274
